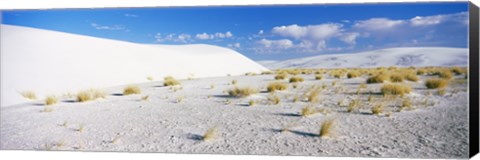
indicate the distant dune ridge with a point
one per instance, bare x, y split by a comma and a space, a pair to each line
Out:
414, 56
50, 62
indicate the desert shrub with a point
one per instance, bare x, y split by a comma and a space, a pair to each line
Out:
274, 99
251, 103
352, 105
170, 81
313, 96
50, 100
150, 78
353, 74
266, 72
406, 103
395, 89
457, 70
421, 71
326, 128
377, 109
242, 92
88, 95
271, 87
436, 83
396, 77
145, 98
280, 76
307, 111
296, 79
441, 91
28, 95
318, 77
132, 89
445, 74
210, 134
411, 77
250, 74
379, 78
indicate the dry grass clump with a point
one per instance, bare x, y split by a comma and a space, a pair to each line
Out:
132, 89
318, 77
88, 95
406, 103
281, 76
396, 77
379, 78
421, 71
274, 99
266, 72
326, 130
412, 77
50, 100
242, 92
28, 95
377, 109
150, 78
296, 79
353, 74
395, 89
444, 73
145, 98
313, 96
251, 103
352, 105
234, 82
441, 91
458, 70
436, 83
210, 134
271, 87
250, 74
307, 111
170, 81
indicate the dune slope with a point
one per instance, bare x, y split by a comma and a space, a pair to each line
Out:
50, 62
414, 56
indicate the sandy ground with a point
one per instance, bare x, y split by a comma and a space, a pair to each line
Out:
438, 129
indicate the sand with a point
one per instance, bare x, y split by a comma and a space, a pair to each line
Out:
438, 129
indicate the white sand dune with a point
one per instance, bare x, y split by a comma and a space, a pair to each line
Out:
415, 56
50, 62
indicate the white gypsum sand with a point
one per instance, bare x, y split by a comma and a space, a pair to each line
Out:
402, 57
50, 62
435, 129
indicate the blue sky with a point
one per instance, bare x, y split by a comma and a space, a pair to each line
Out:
267, 32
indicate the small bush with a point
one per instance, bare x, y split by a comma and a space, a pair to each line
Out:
50, 100
352, 105
210, 134
395, 89
242, 92
280, 76
296, 79
411, 77
380, 78
267, 72
234, 82
353, 74
88, 95
29, 95
170, 81
406, 103
441, 91
274, 99
318, 77
445, 74
132, 89
457, 70
251, 103
396, 78
313, 96
326, 128
276, 86
421, 71
377, 109
436, 83
307, 111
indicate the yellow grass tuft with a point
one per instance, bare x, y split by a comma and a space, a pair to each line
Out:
276, 86
377, 109
50, 100
145, 98
251, 103
441, 91
296, 79
380, 78
274, 99
170, 81
132, 89
210, 134
326, 130
436, 83
242, 92
308, 111
281, 76
396, 77
412, 77
313, 96
353, 74
318, 77
406, 103
28, 95
395, 89
88, 95
150, 78
445, 74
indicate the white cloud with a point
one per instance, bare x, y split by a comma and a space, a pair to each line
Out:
437, 19
131, 15
260, 32
206, 36
314, 32
349, 38
276, 44
378, 24
113, 27
234, 45
183, 37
